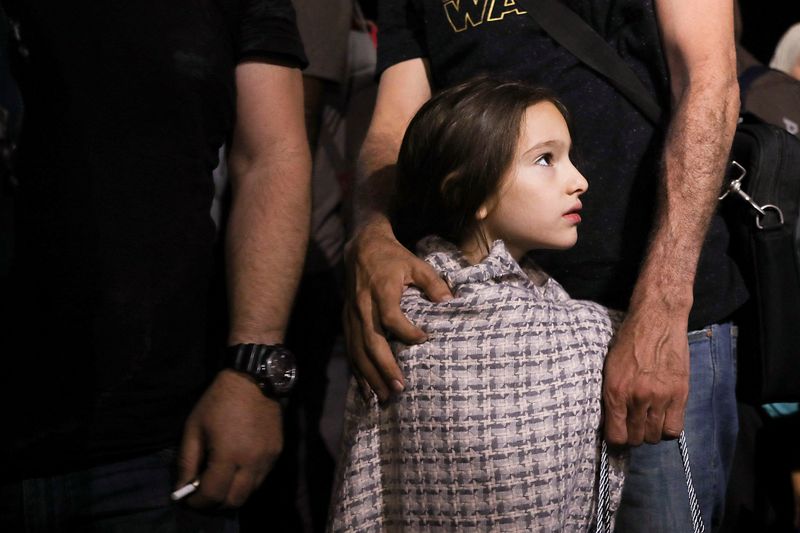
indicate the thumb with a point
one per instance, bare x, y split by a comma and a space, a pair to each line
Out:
190, 455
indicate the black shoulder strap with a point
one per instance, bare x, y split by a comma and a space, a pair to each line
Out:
575, 35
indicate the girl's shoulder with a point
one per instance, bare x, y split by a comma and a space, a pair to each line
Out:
498, 289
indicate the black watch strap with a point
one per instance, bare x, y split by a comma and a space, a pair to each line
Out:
254, 360
248, 358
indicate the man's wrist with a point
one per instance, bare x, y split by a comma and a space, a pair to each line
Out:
247, 336
238, 377
242, 383
271, 366
674, 305
657, 293
377, 225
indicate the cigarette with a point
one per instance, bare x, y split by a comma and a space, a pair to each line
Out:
184, 491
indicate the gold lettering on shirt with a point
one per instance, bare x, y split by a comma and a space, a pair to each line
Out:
461, 13
497, 11
465, 14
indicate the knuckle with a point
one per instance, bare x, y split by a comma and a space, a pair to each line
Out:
615, 397
614, 388
385, 285
255, 457
251, 459
374, 344
377, 281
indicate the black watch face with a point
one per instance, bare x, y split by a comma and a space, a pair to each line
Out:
281, 371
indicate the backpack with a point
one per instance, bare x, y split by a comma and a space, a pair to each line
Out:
765, 243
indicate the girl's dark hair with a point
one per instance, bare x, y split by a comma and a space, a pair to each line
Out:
455, 153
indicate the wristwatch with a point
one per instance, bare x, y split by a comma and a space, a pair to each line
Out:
273, 366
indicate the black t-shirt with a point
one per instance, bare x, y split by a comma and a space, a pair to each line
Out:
616, 148
126, 105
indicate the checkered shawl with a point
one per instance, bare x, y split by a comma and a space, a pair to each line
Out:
498, 428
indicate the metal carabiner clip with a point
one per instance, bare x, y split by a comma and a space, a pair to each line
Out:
735, 186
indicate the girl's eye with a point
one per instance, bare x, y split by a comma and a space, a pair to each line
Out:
544, 160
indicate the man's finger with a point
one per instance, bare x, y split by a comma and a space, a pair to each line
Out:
363, 386
673, 420
425, 277
375, 349
392, 318
360, 362
215, 482
372, 377
654, 425
637, 416
616, 427
382, 357
190, 455
241, 487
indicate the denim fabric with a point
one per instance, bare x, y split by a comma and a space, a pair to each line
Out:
126, 497
655, 497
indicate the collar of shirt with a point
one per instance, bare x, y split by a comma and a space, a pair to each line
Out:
498, 266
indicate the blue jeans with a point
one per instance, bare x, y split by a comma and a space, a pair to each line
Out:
655, 497
125, 497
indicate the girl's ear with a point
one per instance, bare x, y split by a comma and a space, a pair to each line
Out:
486, 207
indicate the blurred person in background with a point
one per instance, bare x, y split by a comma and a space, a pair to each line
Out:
112, 397
787, 54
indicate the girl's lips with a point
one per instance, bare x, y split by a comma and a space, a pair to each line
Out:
573, 214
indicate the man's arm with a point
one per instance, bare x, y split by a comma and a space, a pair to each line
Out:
647, 370
234, 427
379, 268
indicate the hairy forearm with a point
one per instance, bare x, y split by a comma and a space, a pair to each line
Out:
403, 89
695, 158
266, 243
375, 181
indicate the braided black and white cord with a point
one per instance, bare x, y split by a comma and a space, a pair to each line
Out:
603, 496
697, 520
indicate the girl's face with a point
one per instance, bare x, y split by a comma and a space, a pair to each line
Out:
537, 205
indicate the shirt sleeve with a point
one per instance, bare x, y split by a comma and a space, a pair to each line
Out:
401, 34
268, 29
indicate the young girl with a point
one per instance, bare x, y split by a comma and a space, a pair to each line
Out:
499, 425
